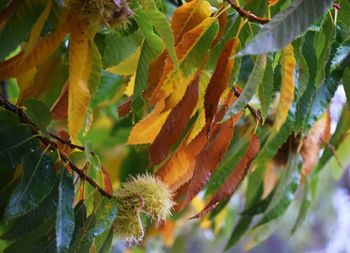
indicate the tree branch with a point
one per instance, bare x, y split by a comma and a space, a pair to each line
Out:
253, 111
247, 14
53, 145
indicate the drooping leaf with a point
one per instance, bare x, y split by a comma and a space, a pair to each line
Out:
336, 139
343, 53
65, 214
36, 183
175, 124
318, 135
38, 113
42, 49
287, 86
234, 180
190, 52
179, 168
219, 79
285, 191
265, 91
208, 159
141, 77
254, 80
146, 26
162, 26
80, 62
188, 16
19, 24
295, 19
146, 130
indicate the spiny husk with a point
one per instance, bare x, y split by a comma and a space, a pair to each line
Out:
111, 12
146, 194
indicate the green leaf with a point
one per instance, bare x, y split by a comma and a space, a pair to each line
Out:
323, 45
96, 71
295, 19
141, 79
30, 222
162, 27
285, 190
146, 26
65, 214
305, 205
110, 83
337, 138
253, 194
346, 83
266, 89
38, 113
254, 80
106, 246
19, 26
343, 53
274, 142
36, 183
115, 48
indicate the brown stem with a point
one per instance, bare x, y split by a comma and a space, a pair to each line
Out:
247, 14
253, 111
51, 144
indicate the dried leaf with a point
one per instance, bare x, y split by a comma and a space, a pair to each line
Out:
218, 81
211, 155
317, 135
236, 177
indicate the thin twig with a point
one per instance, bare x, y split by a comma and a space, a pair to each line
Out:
69, 143
51, 144
247, 14
253, 111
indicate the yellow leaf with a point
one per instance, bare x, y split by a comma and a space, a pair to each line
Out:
287, 86
41, 50
128, 66
189, 16
129, 91
80, 59
148, 128
38, 26
200, 121
25, 81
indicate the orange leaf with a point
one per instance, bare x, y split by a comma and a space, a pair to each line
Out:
222, 26
175, 124
41, 50
179, 168
189, 16
173, 79
146, 130
236, 177
80, 63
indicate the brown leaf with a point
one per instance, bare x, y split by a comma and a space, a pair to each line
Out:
211, 155
175, 124
317, 135
59, 109
218, 82
125, 107
236, 177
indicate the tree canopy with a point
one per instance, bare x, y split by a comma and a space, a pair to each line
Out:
123, 119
